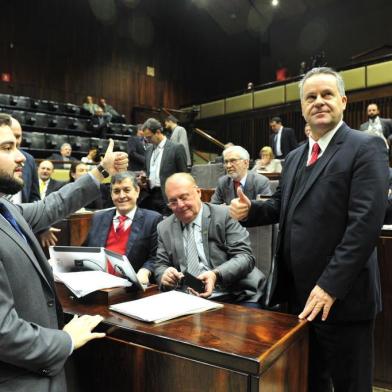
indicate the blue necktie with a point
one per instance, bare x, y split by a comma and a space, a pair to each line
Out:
11, 220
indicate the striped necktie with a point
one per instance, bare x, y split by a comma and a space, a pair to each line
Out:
191, 253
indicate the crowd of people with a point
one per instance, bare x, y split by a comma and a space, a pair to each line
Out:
330, 205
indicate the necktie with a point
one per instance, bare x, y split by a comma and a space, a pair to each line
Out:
315, 154
120, 228
236, 185
42, 188
11, 220
192, 256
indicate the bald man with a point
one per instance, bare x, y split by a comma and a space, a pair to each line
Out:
30, 191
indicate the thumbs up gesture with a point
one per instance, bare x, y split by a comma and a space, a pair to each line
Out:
239, 207
114, 162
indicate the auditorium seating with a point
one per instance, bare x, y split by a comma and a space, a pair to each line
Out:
48, 124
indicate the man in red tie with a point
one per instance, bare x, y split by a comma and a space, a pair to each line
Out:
236, 161
330, 205
127, 229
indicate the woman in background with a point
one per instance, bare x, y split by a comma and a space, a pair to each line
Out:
267, 163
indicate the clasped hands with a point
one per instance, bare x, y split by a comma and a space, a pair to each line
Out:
171, 278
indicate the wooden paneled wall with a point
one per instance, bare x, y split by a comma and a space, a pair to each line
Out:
58, 50
251, 129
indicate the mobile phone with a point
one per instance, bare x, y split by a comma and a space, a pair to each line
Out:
193, 282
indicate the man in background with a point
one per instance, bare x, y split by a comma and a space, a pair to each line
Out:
282, 139
47, 184
179, 135
236, 161
64, 156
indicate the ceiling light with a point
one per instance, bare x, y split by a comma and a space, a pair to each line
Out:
274, 3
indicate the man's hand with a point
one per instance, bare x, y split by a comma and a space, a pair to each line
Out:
48, 237
114, 162
171, 277
79, 328
143, 275
239, 207
319, 300
209, 280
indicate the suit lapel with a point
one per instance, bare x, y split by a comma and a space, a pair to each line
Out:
331, 150
106, 223
249, 188
34, 251
205, 224
136, 228
229, 191
179, 256
148, 159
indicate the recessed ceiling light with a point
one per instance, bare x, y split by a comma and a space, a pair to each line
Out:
275, 3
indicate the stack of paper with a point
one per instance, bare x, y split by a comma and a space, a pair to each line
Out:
86, 282
164, 306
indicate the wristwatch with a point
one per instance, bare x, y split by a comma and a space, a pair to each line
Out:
102, 170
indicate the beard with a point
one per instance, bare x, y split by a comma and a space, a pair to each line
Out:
373, 116
9, 184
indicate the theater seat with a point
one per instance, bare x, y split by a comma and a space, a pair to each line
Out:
55, 141
38, 140
4, 99
79, 143
20, 115
72, 109
121, 145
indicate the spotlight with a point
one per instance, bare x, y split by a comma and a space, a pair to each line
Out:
274, 3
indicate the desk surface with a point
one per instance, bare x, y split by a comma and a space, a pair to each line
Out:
234, 337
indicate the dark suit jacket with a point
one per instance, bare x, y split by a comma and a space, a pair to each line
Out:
173, 161
333, 225
226, 246
255, 184
30, 191
136, 154
142, 243
288, 142
54, 186
386, 124
33, 349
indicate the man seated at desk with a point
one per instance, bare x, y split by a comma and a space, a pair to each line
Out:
236, 161
203, 240
127, 229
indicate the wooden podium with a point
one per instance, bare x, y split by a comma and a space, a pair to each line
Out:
231, 349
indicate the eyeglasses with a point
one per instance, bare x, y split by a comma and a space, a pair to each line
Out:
232, 161
173, 203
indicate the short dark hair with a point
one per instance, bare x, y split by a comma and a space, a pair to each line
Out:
171, 118
118, 177
153, 125
5, 119
72, 169
276, 119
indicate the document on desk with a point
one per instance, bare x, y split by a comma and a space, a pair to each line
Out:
164, 306
86, 282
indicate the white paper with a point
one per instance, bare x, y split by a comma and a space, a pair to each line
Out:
164, 306
86, 282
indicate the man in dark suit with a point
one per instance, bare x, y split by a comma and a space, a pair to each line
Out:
33, 348
282, 139
139, 228
163, 158
47, 184
236, 161
30, 191
376, 125
202, 239
330, 205
137, 150
65, 156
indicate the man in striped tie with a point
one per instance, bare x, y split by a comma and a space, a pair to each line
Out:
201, 239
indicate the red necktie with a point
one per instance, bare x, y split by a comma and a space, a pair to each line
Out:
315, 154
120, 230
236, 185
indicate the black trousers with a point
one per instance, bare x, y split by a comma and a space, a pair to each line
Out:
341, 355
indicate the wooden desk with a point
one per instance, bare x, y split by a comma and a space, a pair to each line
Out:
231, 349
383, 328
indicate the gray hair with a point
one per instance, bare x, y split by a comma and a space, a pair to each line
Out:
5, 120
326, 71
238, 149
65, 145
119, 177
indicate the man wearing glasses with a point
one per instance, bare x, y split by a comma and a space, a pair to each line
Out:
236, 161
202, 240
